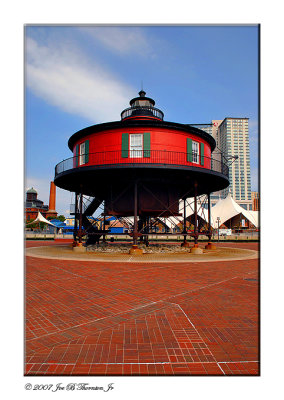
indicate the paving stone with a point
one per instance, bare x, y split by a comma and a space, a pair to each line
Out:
95, 318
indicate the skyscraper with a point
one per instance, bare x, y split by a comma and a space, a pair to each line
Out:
232, 139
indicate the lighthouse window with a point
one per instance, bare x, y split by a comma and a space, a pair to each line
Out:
195, 152
136, 145
82, 154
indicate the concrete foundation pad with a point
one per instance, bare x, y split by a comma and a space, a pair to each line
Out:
65, 252
210, 246
79, 249
196, 250
135, 251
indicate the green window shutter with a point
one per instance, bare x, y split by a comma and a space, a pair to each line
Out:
147, 144
86, 151
124, 145
77, 156
201, 154
189, 149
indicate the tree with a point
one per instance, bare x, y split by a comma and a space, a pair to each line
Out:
60, 218
36, 225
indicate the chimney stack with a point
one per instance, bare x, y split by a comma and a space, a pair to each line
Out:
52, 197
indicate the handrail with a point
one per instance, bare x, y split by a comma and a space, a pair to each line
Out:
142, 111
134, 157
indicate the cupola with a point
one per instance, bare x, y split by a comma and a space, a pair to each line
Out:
142, 107
31, 194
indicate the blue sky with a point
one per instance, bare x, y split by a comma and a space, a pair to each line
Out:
77, 76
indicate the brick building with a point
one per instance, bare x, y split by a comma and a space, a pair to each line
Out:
33, 205
255, 199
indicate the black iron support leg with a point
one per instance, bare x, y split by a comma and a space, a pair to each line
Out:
75, 232
135, 232
184, 243
80, 218
195, 216
135, 250
209, 218
209, 246
104, 227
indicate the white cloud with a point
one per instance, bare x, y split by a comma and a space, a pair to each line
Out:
64, 77
122, 40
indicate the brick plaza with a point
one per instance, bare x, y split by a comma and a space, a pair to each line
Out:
96, 318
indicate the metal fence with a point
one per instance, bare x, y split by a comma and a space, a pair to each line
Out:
149, 157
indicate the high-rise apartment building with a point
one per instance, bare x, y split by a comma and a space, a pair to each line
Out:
232, 139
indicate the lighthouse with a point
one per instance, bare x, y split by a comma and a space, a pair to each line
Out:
140, 166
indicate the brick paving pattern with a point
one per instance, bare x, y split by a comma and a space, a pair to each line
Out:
93, 318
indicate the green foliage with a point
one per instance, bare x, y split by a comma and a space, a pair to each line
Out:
59, 217
36, 225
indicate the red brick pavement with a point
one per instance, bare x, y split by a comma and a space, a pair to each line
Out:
93, 318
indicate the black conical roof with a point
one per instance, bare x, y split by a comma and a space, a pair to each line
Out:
142, 97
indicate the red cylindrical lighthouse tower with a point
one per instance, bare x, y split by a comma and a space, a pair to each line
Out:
141, 166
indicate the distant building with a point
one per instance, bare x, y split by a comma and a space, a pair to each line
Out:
232, 139
255, 200
33, 205
70, 221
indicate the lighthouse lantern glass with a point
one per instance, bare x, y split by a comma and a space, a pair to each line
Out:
142, 103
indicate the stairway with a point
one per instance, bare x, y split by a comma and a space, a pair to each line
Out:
91, 228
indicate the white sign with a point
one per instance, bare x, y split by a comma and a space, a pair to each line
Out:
225, 232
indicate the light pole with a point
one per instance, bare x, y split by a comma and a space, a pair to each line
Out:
218, 221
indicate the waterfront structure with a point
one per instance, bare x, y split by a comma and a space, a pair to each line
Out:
140, 166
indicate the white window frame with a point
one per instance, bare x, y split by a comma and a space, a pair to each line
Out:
82, 151
135, 149
195, 152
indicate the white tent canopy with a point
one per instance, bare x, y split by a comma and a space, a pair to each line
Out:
171, 222
227, 208
189, 208
40, 218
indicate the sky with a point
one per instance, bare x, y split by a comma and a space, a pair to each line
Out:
81, 75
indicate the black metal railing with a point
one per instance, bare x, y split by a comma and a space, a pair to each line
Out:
150, 157
146, 111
